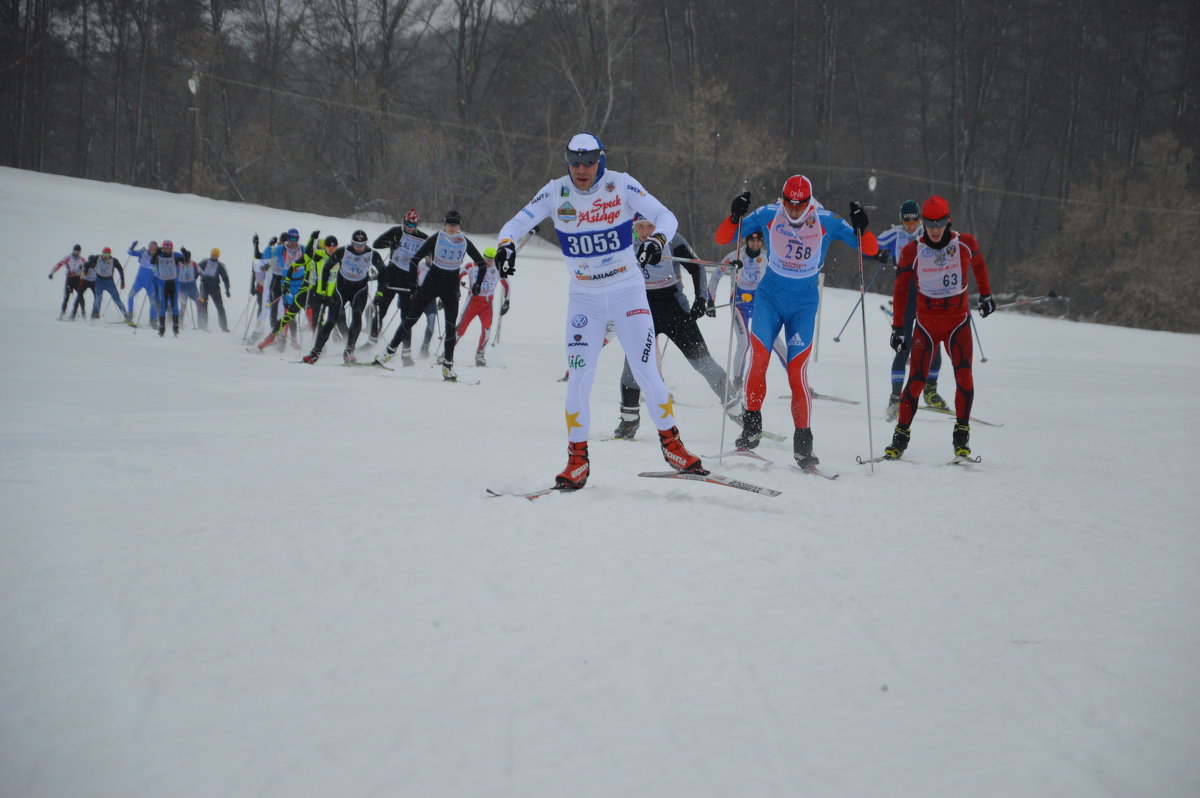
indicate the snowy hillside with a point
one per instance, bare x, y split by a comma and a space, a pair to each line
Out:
232, 575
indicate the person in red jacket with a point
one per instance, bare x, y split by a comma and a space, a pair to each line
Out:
935, 266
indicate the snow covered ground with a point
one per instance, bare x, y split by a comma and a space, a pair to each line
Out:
230, 575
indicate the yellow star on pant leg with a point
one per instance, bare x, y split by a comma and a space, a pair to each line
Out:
669, 407
573, 420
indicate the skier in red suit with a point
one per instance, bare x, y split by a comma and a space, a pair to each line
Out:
935, 266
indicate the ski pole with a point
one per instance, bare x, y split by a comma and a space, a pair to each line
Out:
978, 343
500, 316
383, 336
500, 319
862, 295
733, 279
837, 338
246, 307
1030, 301
817, 328
697, 260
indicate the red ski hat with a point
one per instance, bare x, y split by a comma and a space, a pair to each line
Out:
797, 189
935, 209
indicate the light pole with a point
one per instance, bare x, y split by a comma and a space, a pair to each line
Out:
193, 85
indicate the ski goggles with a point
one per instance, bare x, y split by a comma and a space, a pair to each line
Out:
584, 157
934, 223
795, 203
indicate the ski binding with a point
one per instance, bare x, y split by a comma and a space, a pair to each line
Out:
964, 461
813, 471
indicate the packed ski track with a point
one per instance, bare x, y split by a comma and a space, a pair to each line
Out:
229, 574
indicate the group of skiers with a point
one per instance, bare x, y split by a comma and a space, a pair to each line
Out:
166, 276
615, 236
332, 286
626, 258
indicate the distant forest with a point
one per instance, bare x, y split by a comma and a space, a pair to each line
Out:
1062, 132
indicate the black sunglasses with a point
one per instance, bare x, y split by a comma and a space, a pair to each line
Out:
585, 158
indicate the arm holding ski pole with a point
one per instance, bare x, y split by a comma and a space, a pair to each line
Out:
511, 259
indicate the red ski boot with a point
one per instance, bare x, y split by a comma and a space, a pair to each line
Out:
575, 475
677, 456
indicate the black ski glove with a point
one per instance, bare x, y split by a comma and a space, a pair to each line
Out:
254, 239
698, 308
858, 218
504, 308
739, 206
506, 258
884, 255
134, 244
987, 306
651, 250
710, 309
898, 340
313, 235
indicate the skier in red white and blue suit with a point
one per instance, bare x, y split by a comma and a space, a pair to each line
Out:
798, 232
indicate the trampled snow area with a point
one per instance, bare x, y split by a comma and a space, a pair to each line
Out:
231, 575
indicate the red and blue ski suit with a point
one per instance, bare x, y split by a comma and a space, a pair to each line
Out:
788, 295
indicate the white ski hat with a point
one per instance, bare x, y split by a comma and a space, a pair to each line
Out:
583, 142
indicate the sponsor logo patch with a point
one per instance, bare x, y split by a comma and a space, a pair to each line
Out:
576, 362
606, 211
638, 312
579, 321
567, 212
580, 275
646, 350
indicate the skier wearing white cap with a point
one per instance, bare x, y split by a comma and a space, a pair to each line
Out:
593, 210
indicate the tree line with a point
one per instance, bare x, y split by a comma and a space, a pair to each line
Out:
1061, 131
